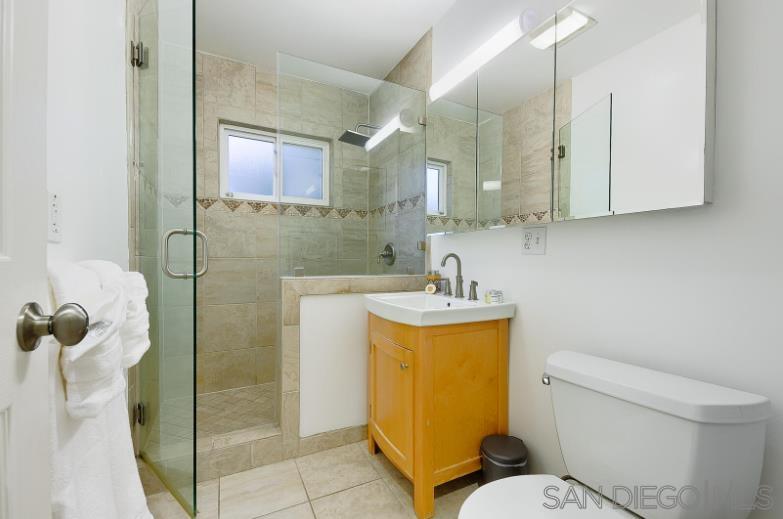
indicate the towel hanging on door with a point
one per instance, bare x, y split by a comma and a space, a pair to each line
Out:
94, 472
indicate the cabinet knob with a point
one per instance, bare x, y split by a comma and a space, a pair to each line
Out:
403, 365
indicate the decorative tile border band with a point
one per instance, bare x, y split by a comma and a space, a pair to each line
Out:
412, 202
309, 211
270, 208
518, 219
393, 208
466, 224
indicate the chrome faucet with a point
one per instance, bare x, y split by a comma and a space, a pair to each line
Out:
458, 282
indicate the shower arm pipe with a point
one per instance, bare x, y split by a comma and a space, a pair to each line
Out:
365, 125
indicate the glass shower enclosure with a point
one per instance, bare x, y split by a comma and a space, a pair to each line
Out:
164, 238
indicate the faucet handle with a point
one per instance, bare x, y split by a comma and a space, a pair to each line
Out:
472, 295
446, 287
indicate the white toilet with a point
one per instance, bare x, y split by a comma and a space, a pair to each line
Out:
653, 442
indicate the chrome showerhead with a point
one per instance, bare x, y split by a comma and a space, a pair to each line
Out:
356, 138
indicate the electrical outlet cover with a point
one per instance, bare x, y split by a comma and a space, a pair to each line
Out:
534, 240
55, 228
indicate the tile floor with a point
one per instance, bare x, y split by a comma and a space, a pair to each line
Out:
342, 483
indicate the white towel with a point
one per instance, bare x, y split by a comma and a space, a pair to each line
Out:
94, 473
134, 331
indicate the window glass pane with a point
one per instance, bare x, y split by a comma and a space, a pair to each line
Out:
303, 171
433, 190
251, 166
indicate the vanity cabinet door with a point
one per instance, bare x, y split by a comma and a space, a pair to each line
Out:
392, 400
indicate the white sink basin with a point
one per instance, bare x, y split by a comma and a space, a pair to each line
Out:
420, 309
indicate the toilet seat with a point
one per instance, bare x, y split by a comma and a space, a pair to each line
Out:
523, 497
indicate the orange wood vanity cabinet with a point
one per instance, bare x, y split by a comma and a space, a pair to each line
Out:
434, 393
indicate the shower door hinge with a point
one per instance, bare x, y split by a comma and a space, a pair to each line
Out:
138, 54
561, 151
140, 414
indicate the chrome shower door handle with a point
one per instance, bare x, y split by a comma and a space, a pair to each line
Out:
164, 257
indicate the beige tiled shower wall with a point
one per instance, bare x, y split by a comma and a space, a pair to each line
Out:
239, 300
527, 148
237, 314
397, 204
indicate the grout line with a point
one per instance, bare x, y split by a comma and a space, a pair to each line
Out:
346, 489
408, 502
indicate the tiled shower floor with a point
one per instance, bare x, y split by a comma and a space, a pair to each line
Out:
233, 410
342, 483
244, 413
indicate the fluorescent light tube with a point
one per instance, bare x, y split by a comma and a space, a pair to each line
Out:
389, 128
566, 24
502, 40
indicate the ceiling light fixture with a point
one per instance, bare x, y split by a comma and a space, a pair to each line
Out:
404, 121
387, 129
503, 39
566, 24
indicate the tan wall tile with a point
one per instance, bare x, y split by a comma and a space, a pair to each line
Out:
290, 368
267, 450
289, 423
227, 327
265, 364
229, 281
221, 462
222, 370
231, 235
268, 323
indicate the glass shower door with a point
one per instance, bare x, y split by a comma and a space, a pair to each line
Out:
166, 241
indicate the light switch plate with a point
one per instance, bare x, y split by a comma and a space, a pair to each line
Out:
534, 240
55, 227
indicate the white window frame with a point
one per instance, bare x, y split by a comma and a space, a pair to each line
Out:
310, 143
231, 130
443, 192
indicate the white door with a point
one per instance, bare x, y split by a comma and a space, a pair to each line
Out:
24, 434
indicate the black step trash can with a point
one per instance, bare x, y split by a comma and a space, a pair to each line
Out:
502, 457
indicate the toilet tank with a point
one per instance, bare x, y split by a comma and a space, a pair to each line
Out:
660, 445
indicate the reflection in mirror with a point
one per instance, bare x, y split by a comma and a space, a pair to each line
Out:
516, 91
638, 94
350, 171
584, 161
490, 170
451, 160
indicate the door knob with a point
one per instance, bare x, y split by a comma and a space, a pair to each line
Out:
69, 325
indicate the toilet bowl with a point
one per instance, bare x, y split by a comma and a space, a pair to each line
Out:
531, 497
663, 446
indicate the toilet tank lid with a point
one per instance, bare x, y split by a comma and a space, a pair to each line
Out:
679, 396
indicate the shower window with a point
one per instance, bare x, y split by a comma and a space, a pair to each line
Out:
436, 187
305, 167
260, 165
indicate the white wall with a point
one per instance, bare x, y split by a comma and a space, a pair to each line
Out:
333, 363
657, 117
696, 292
87, 146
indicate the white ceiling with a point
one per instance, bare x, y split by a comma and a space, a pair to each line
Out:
364, 36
